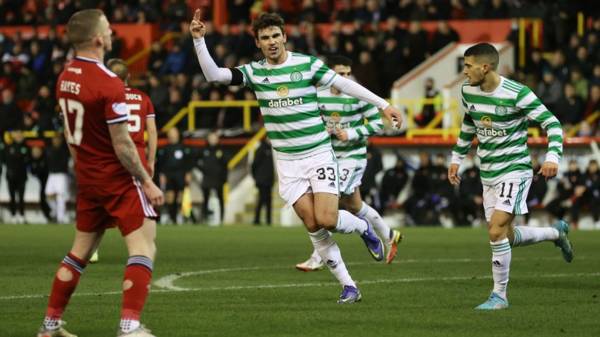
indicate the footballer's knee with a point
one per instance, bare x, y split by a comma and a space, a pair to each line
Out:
353, 208
496, 232
327, 220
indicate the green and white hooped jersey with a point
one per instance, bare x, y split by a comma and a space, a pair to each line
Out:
500, 121
349, 113
287, 96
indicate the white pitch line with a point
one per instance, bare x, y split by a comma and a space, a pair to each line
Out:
313, 284
167, 282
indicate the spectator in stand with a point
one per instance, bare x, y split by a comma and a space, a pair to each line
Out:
419, 207
175, 61
569, 108
549, 90
443, 196
176, 103
26, 85
393, 29
45, 108
213, 164
559, 67
17, 56
39, 59
264, 177
244, 41
393, 182
159, 94
565, 190
415, 49
366, 72
430, 109
39, 169
536, 65
593, 46
474, 9
11, 117
580, 83
392, 64
57, 189
344, 12
173, 165
368, 186
593, 102
596, 75
17, 159
176, 11
157, 56
592, 191
442, 37
497, 9
470, 200
7, 77
582, 61
238, 10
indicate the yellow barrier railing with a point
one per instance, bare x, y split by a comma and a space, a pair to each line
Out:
414, 105
175, 119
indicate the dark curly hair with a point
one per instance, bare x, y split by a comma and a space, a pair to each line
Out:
267, 20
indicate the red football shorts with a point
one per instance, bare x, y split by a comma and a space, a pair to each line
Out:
103, 206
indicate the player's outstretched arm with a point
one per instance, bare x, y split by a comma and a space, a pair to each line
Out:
211, 71
128, 156
354, 89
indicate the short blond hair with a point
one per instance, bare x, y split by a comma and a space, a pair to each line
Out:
119, 67
83, 26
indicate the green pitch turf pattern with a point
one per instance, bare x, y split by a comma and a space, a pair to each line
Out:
240, 281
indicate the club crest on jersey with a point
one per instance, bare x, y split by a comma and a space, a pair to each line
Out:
501, 110
347, 107
296, 76
335, 117
283, 91
486, 121
120, 108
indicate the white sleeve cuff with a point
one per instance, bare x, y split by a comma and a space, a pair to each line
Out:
456, 158
552, 157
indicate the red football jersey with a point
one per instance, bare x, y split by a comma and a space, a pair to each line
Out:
91, 97
140, 108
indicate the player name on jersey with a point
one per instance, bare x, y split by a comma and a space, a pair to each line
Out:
71, 87
133, 97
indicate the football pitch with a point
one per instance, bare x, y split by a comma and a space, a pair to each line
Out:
239, 281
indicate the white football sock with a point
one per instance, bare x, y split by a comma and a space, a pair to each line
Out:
315, 256
382, 229
525, 235
331, 255
349, 223
501, 255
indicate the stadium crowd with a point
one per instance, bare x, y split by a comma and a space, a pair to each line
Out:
384, 38
565, 73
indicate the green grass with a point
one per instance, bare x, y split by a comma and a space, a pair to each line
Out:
439, 276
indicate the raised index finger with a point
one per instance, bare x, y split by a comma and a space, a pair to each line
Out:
198, 14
